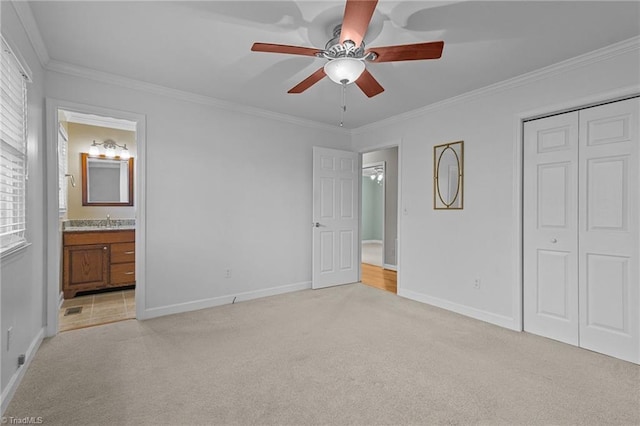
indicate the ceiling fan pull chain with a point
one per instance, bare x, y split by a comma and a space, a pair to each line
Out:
343, 109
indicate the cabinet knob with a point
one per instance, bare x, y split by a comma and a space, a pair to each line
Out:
104, 248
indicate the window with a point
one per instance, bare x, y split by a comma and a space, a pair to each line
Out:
13, 150
63, 169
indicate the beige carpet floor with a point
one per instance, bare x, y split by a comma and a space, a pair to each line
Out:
347, 355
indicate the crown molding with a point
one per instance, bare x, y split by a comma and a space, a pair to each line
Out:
181, 95
590, 58
23, 10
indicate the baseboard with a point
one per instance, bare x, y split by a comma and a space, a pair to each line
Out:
12, 386
60, 300
222, 300
490, 317
390, 267
371, 241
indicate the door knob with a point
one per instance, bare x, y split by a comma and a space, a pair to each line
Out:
317, 224
553, 240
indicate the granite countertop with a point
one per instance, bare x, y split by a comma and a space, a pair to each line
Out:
83, 225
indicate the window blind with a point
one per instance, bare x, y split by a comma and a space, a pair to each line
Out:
63, 169
13, 150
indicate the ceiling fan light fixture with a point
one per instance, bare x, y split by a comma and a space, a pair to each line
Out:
344, 70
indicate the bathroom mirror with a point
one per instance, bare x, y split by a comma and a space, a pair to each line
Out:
448, 173
106, 181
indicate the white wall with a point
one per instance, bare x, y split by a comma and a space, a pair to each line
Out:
442, 252
224, 190
23, 274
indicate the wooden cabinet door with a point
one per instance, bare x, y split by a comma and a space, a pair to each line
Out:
86, 267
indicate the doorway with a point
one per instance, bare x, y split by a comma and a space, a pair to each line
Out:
96, 248
95, 156
379, 222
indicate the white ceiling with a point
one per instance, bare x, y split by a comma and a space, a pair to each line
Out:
203, 47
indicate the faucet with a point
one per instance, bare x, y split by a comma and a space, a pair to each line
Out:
108, 221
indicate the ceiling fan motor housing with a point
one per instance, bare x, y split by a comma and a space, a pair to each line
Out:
334, 49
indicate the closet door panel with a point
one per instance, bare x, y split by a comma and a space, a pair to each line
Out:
608, 262
550, 227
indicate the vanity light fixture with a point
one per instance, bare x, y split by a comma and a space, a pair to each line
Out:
378, 175
110, 147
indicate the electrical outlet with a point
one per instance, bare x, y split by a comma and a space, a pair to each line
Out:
227, 273
9, 338
476, 283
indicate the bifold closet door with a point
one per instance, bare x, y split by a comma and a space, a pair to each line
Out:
582, 228
551, 227
609, 259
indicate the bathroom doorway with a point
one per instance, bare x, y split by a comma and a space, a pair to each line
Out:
95, 219
96, 208
379, 201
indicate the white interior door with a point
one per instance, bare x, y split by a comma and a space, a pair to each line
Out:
550, 227
336, 239
609, 230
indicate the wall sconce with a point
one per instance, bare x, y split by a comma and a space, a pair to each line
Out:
110, 148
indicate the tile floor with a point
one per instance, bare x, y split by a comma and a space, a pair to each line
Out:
98, 309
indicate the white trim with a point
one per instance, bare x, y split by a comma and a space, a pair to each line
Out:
103, 77
490, 317
53, 251
18, 248
399, 220
222, 300
590, 58
372, 241
61, 300
23, 10
16, 378
99, 121
390, 267
518, 190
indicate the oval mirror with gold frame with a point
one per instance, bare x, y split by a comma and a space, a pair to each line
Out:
448, 162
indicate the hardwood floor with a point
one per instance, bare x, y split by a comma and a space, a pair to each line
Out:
378, 277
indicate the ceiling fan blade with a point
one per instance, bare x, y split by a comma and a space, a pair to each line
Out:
369, 85
357, 15
283, 48
408, 52
308, 82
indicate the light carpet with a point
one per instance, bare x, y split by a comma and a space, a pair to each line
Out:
346, 355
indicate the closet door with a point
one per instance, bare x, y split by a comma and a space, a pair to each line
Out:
609, 221
550, 227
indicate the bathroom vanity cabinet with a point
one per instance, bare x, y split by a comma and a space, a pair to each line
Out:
94, 260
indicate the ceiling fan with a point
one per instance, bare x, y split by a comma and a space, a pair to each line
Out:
346, 52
